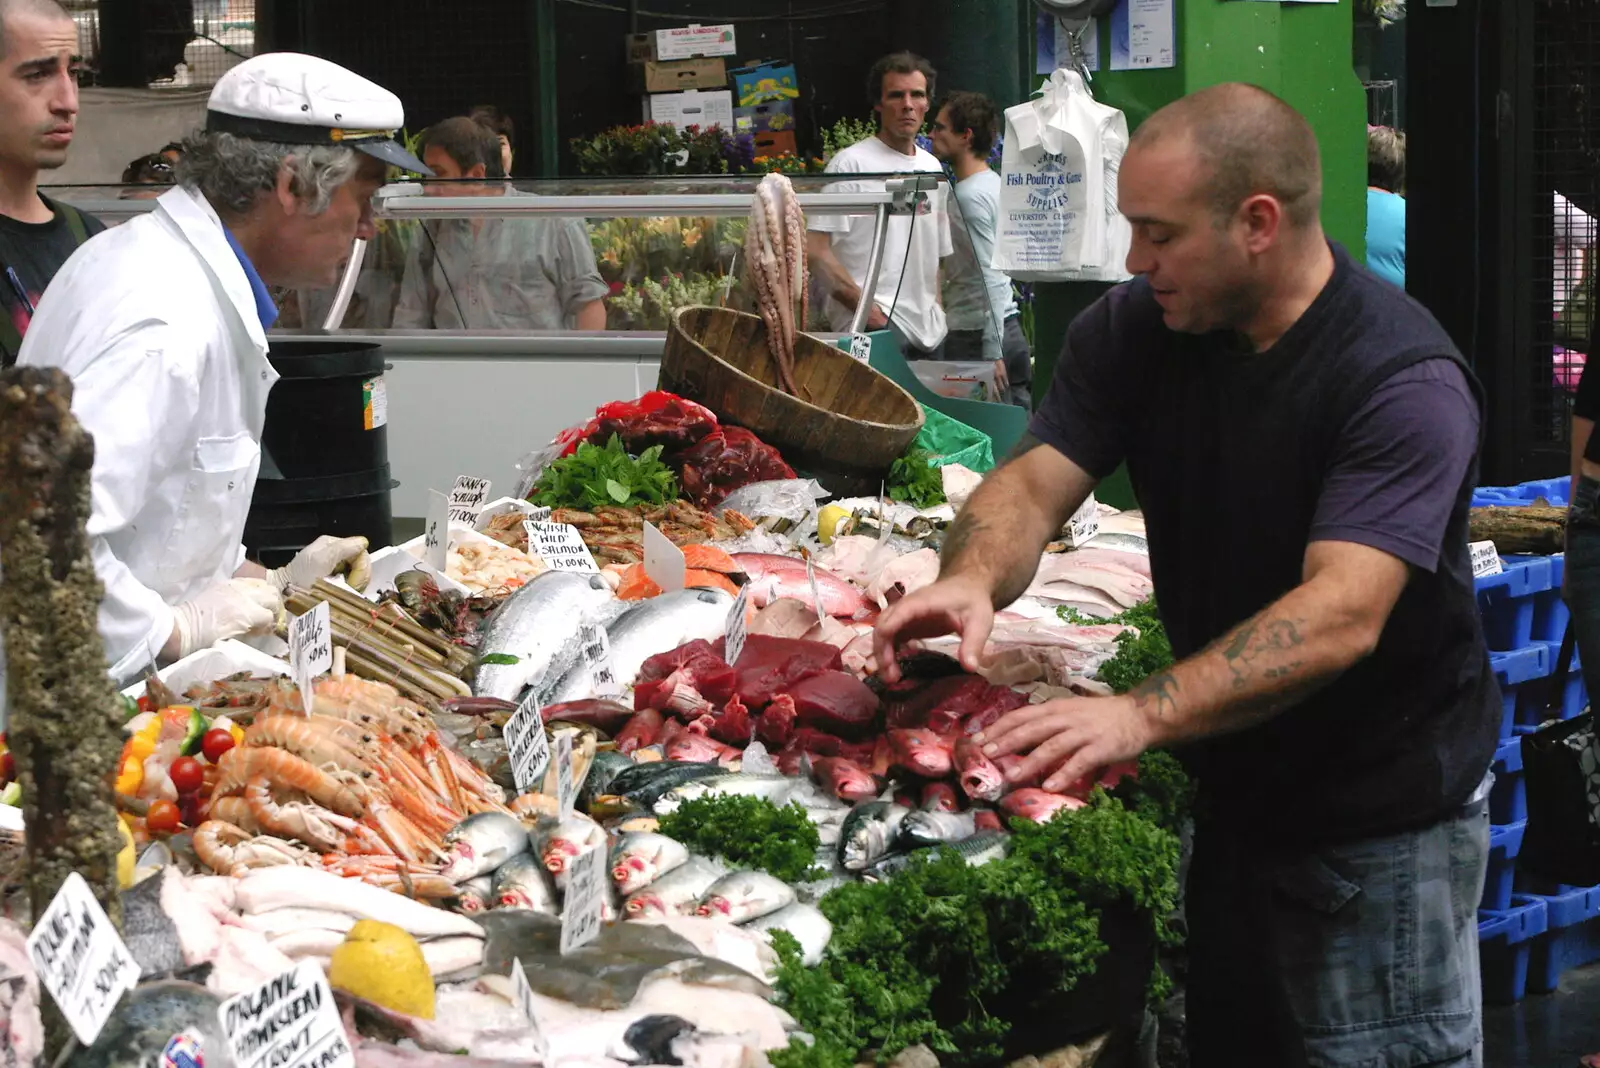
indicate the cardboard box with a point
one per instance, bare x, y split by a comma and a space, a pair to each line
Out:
674, 76
691, 109
765, 83
684, 42
771, 144
764, 118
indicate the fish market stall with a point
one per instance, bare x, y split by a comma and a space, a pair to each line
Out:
601, 771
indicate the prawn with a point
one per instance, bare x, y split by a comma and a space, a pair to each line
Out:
402, 836
316, 826
234, 810
282, 768
231, 850
307, 738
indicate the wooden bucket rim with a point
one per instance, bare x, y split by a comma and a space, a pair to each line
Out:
677, 328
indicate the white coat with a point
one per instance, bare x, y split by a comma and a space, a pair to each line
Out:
156, 324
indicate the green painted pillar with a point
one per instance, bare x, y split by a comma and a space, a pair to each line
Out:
972, 43
1300, 51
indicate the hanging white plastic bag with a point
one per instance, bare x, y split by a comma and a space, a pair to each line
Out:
1058, 202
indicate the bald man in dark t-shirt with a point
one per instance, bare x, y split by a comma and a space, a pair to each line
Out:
1302, 438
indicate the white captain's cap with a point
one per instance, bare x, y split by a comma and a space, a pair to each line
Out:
303, 100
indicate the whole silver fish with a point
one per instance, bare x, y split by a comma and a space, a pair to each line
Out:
676, 893
522, 883
562, 843
745, 895
657, 625
479, 844
869, 832
476, 894
806, 922
638, 859
774, 788
930, 827
977, 850
538, 627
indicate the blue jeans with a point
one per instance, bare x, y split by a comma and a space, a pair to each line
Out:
1583, 578
1359, 954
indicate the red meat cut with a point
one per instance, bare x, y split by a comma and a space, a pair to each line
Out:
835, 701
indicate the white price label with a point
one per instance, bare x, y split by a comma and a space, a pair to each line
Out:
861, 347
738, 627
816, 592
290, 1021
310, 649
467, 498
663, 561
436, 532
564, 788
527, 745
1085, 522
585, 901
1485, 560
80, 959
522, 994
540, 514
596, 647
560, 546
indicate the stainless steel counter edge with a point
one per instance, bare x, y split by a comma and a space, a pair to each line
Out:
598, 345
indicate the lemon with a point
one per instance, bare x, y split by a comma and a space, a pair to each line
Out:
382, 963
828, 521
125, 857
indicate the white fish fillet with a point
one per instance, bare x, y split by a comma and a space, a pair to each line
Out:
245, 960
911, 572
21, 1029
1090, 554
311, 942
447, 956
285, 921
265, 889
743, 949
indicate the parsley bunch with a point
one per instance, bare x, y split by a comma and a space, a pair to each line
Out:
595, 476
914, 480
748, 832
1139, 655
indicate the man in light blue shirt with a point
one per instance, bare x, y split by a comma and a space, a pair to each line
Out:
984, 321
1386, 207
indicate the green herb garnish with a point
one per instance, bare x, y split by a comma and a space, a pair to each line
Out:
914, 480
504, 659
749, 832
595, 476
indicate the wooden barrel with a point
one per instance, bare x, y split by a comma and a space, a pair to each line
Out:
851, 425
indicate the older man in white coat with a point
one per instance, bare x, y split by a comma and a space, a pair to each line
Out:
161, 324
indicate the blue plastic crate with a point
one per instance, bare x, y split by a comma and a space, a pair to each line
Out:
1511, 670
1553, 490
1506, 600
1571, 938
1550, 613
1504, 845
1508, 797
1505, 942
1531, 710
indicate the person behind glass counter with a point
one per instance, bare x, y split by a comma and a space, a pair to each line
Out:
1386, 206
504, 130
494, 274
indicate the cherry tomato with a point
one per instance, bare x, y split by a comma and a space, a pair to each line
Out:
187, 774
192, 810
163, 818
8, 767
217, 741
146, 705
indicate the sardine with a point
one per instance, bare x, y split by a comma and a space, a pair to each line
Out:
637, 860
774, 788
656, 625
477, 893
869, 832
644, 784
676, 893
523, 883
745, 895
562, 843
479, 844
603, 771
806, 922
537, 628
930, 827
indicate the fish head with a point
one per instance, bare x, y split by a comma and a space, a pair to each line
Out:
715, 906
461, 862
514, 898
645, 906
558, 854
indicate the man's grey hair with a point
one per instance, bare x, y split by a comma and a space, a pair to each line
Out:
49, 9
232, 172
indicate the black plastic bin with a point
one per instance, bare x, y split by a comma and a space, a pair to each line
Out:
325, 450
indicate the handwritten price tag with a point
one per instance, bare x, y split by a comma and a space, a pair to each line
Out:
436, 532
560, 546
467, 498
596, 645
527, 745
1485, 560
310, 649
861, 347
565, 792
522, 993
539, 515
290, 1021
80, 959
738, 627
1085, 522
584, 904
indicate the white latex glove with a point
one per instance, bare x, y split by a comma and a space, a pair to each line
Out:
226, 610
326, 556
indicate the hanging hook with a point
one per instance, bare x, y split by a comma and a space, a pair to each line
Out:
1077, 58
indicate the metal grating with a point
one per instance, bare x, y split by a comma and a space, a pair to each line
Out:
1383, 103
1565, 195
197, 40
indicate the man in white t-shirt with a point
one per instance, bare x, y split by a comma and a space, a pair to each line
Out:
906, 298
985, 323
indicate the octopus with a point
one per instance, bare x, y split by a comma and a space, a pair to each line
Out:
775, 257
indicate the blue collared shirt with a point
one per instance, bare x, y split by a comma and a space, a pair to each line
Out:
266, 310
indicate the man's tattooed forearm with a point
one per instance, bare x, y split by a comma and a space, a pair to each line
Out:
1261, 637
1158, 693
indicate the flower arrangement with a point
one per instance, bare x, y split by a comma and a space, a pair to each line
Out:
660, 148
